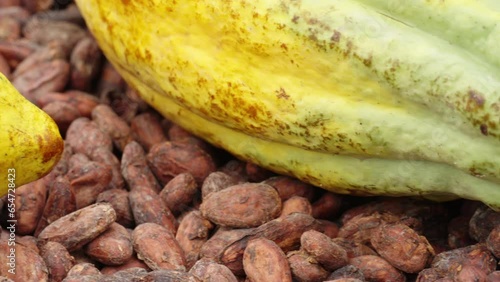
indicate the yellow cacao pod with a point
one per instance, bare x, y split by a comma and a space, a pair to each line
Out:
358, 97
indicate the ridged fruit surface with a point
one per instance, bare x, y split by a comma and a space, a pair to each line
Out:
30, 142
358, 97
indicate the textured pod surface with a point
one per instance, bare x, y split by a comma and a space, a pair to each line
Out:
30, 142
303, 87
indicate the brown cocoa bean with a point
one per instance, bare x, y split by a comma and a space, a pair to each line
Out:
353, 248
215, 182
118, 198
112, 247
264, 261
58, 260
251, 204
43, 32
16, 51
4, 67
168, 159
10, 3
28, 265
88, 181
157, 247
296, 204
148, 207
458, 232
85, 136
493, 241
45, 77
193, 232
45, 54
84, 269
63, 113
169, 275
285, 232
60, 202
482, 222
135, 168
10, 29
375, 268
82, 101
133, 262
257, 173
327, 206
449, 263
104, 156
325, 251
85, 61
209, 271
179, 192
29, 202
215, 247
109, 122
348, 271
37, 5
288, 187
110, 81
146, 130
305, 268
329, 228
80, 227
402, 247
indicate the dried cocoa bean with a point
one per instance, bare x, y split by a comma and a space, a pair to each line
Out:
157, 247
146, 130
84, 136
112, 247
85, 61
193, 232
482, 222
327, 206
118, 198
217, 181
80, 227
135, 168
44, 31
296, 204
88, 181
493, 242
104, 156
109, 122
45, 77
63, 113
133, 262
402, 247
168, 159
348, 271
264, 261
305, 268
251, 204
84, 102
148, 207
28, 265
10, 29
288, 187
325, 251
58, 260
60, 202
45, 54
209, 271
375, 268
179, 192
84, 269
29, 202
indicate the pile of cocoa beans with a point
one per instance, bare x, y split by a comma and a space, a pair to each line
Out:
135, 197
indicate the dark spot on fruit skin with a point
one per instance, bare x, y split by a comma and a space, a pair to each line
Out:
51, 146
476, 97
484, 129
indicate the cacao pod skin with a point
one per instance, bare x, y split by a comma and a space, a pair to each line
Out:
343, 95
30, 141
